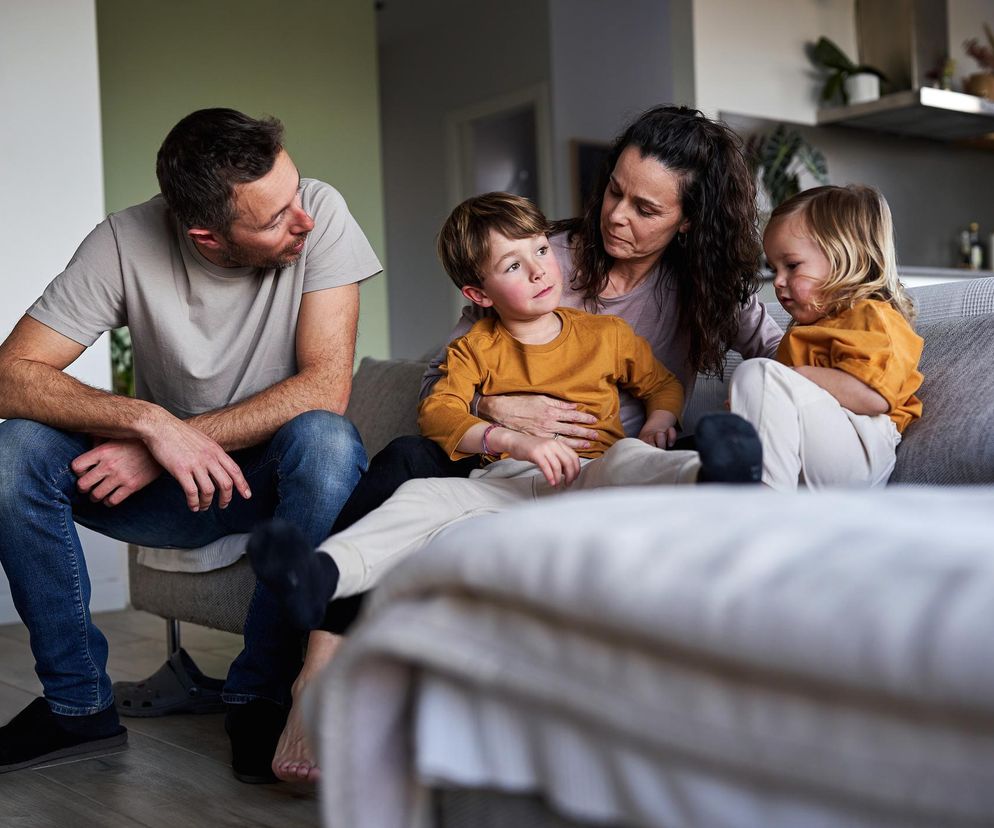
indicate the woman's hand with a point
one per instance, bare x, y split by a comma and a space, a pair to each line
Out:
540, 416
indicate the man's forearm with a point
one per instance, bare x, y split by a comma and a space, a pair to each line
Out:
35, 391
257, 418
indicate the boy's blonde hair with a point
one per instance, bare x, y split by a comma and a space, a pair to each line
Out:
853, 227
464, 240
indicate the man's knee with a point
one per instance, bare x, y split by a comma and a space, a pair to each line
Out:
322, 449
323, 431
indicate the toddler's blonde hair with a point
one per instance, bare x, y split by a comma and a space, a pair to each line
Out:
853, 227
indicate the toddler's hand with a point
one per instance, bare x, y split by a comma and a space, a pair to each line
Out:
663, 438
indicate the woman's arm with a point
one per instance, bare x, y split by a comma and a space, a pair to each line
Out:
759, 334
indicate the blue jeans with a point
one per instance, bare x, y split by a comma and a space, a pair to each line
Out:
303, 475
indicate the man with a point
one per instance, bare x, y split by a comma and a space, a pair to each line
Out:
239, 284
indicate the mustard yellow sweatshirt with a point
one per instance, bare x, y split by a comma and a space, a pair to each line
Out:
592, 356
872, 342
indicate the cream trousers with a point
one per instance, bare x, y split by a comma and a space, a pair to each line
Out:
808, 437
420, 509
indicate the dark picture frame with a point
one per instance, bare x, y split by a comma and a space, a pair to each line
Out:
587, 158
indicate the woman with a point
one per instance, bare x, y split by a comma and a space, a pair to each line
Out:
669, 243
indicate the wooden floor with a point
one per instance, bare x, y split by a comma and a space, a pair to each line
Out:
176, 770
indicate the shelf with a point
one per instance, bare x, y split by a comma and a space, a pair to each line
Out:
924, 113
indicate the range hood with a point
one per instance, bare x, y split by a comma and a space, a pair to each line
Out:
925, 113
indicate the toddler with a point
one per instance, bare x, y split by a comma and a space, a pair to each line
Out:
831, 408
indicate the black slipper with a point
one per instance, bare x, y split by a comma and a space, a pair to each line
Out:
730, 450
37, 735
178, 686
254, 729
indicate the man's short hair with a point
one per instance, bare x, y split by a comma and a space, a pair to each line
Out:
464, 240
205, 155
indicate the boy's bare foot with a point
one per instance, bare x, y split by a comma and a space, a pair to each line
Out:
295, 759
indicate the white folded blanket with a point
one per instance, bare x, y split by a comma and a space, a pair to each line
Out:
677, 656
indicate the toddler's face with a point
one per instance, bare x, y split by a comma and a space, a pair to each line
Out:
800, 269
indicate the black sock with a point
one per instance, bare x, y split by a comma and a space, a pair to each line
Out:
302, 579
730, 450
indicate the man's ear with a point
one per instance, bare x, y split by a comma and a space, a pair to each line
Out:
208, 239
477, 296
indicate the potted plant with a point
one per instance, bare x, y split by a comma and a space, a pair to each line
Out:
847, 82
981, 83
777, 159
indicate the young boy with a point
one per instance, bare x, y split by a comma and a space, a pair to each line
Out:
495, 250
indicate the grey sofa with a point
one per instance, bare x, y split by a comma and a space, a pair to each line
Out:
952, 444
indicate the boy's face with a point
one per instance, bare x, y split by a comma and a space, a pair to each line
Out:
800, 269
521, 281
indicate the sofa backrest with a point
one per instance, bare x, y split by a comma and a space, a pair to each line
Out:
384, 401
952, 443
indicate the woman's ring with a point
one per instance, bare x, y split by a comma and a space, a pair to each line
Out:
555, 436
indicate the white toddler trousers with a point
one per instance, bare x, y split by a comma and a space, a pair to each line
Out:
808, 437
420, 509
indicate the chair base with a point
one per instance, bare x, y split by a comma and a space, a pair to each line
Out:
178, 686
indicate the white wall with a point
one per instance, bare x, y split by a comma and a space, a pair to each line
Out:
750, 57
51, 193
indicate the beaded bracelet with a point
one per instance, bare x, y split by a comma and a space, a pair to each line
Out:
486, 433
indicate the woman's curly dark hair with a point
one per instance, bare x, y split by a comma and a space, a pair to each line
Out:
716, 270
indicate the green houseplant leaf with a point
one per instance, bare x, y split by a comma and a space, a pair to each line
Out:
827, 55
831, 56
778, 157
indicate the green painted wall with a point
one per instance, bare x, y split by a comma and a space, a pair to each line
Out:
311, 63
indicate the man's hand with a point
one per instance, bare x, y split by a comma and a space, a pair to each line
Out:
556, 460
114, 470
198, 464
541, 416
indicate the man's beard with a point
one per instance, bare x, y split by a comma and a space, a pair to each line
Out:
237, 256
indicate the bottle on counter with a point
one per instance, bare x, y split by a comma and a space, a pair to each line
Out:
964, 248
976, 248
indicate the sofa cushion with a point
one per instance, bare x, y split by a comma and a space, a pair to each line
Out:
953, 442
384, 401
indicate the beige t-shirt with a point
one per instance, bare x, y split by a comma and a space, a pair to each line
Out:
203, 336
